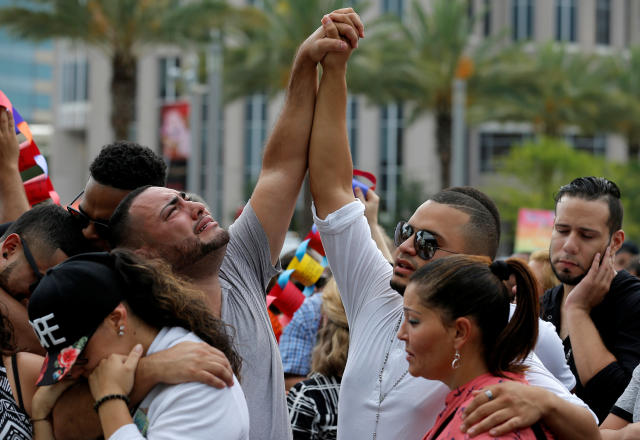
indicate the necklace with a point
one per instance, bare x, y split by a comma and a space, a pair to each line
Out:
381, 395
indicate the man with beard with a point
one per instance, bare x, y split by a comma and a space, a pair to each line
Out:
39, 239
378, 398
595, 309
233, 268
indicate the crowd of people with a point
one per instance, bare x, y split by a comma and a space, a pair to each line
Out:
132, 313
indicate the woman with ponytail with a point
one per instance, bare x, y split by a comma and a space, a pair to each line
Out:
97, 314
457, 330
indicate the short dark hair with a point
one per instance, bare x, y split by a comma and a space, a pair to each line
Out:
120, 235
596, 188
482, 233
128, 165
47, 227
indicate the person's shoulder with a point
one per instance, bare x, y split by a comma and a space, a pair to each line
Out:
625, 288
169, 336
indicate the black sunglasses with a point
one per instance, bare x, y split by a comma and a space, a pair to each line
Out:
83, 219
32, 262
424, 242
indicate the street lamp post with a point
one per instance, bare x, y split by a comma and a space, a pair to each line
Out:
458, 125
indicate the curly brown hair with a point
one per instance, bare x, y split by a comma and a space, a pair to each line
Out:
160, 298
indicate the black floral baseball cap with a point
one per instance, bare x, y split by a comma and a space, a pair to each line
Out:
68, 305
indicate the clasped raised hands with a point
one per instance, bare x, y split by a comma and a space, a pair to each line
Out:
338, 34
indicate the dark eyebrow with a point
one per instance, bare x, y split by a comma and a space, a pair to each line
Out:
407, 309
172, 202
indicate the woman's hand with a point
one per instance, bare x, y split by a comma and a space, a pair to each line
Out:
115, 374
45, 398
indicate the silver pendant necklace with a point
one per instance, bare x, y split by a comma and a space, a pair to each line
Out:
381, 395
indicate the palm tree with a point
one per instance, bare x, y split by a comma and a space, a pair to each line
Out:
121, 29
626, 100
414, 60
555, 89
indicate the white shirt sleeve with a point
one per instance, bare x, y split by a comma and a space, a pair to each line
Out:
550, 351
127, 432
361, 271
537, 375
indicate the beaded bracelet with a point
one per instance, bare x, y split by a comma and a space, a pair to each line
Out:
103, 399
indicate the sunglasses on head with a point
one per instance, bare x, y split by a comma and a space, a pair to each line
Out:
83, 219
32, 262
424, 242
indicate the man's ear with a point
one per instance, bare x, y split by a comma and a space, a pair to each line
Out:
616, 241
11, 245
462, 327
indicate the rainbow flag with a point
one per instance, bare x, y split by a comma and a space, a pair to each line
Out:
40, 187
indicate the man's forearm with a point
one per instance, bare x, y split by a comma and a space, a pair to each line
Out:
568, 421
285, 158
589, 352
330, 166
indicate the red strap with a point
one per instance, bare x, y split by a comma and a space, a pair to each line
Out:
367, 175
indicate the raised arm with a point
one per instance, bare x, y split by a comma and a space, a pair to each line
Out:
285, 157
330, 166
13, 200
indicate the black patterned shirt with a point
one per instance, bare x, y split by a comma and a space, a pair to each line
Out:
313, 408
14, 421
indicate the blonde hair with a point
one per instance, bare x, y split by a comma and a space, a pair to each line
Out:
330, 353
548, 279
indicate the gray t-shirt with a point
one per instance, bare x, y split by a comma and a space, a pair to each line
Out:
244, 275
628, 404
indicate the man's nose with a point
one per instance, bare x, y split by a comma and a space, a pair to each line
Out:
90, 232
571, 244
407, 246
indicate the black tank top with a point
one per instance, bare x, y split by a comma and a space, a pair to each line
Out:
14, 421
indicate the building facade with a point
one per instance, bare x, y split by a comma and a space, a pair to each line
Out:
403, 156
26, 77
